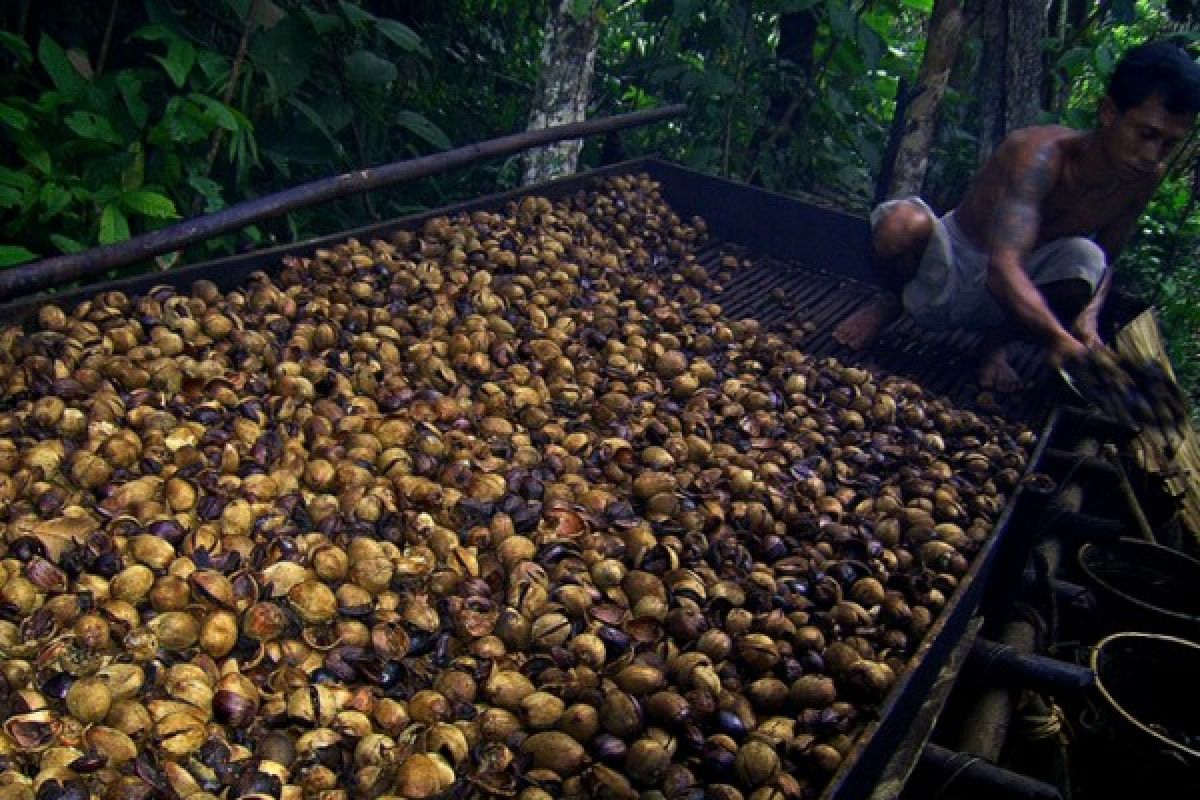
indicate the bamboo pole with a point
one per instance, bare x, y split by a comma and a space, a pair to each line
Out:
49, 272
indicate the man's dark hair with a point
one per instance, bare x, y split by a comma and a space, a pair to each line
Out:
1160, 68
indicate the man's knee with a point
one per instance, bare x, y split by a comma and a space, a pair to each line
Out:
1087, 253
1084, 261
904, 228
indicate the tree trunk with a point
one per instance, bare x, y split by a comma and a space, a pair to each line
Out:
797, 44
1063, 21
955, 162
785, 109
1011, 68
568, 61
945, 33
1069, 19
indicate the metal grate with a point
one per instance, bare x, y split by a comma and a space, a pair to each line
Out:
942, 362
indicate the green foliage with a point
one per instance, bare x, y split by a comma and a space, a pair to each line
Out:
815, 126
94, 158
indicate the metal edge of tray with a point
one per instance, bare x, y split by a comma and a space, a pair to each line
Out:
878, 749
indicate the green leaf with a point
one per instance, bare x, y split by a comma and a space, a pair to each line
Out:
150, 204
240, 7
54, 199
180, 58
1074, 58
54, 60
154, 33
316, 120
11, 254
285, 54
841, 17
580, 10
221, 114
92, 126
130, 86
20, 180
79, 60
180, 123
323, 24
358, 17
919, 5
66, 244
210, 190
17, 46
13, 118
367, 69
37, 156
10, 197
113, 225
267, 15
401, 35
417, 124
213, 66
134, 174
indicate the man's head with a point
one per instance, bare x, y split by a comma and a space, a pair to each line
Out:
1152, 101
1156, 68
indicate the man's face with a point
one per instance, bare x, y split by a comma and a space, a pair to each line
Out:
1139, 140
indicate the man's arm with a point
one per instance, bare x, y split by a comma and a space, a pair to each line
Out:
1014, 231
1087, 324
1112, 239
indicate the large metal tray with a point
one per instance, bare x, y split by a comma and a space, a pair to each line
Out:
821, 256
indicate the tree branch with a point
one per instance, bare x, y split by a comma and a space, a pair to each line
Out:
107, 40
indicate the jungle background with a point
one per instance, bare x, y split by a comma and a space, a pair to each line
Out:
121, 116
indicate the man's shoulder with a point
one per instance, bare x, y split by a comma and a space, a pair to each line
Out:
1041, 138
1039, 147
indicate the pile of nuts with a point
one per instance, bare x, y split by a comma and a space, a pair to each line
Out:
503, 506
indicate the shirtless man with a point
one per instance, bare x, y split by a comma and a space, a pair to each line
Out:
1031, 242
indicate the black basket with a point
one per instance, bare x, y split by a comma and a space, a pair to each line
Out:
1143, 586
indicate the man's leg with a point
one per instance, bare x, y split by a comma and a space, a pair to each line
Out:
1067, 299
898, 241
995, 371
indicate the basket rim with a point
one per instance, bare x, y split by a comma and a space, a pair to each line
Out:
1093, 662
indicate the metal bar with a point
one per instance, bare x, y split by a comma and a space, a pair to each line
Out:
1140, 523
987, 721
1089, 526
1006, 665
986, 724
904, 760
1088, 464
62, 269
943, 772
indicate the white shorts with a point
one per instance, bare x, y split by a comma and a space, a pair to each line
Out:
950, 287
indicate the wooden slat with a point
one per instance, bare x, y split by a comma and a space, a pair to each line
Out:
1181, 469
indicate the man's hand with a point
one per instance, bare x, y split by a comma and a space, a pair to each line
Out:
1087, 331
1065, 350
